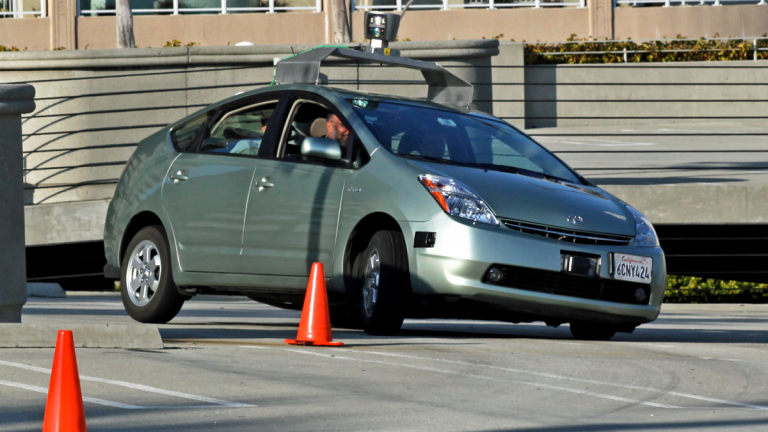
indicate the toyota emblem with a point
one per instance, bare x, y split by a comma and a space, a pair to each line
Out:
576, 220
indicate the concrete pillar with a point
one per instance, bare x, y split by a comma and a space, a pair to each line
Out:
14, 101
63, 15
601, 19
508, 78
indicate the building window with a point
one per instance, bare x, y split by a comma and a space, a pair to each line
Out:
188, 7
23, 8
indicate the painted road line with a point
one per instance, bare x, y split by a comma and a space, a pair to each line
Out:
136, 387
562, 377
734, 360
85, 399
463, 374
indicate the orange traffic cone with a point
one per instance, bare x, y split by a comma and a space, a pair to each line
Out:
315, 325
64, 409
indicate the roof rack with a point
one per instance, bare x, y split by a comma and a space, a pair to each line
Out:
445, 88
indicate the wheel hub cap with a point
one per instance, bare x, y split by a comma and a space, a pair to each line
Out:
143, 273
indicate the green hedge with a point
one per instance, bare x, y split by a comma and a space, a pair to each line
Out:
700, 50
686, 289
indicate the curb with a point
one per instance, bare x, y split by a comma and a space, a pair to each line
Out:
42, 289
86, 335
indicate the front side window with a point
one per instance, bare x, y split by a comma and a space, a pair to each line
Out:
183, 135
240, 132
309, 119
425, 133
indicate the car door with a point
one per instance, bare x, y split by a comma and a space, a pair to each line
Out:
293, 211
206, 190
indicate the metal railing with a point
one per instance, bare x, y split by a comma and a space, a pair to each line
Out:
625, 53
397, 5
668, 3
18, 8
179, 7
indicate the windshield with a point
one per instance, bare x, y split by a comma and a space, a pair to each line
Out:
424, 133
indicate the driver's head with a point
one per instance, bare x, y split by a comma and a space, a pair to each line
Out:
336, 129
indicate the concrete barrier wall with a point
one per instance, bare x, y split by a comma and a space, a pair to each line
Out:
644, 93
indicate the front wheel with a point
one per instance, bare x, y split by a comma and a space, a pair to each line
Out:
383, 267
592, 331
146, 282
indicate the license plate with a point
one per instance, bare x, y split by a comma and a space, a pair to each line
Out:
632, 268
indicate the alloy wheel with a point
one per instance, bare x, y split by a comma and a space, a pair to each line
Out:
143, 273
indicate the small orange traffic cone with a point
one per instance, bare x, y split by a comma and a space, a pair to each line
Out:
315, 325
64, 408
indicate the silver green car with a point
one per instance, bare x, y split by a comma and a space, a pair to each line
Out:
415, 210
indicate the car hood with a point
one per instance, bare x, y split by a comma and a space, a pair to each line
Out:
540, 201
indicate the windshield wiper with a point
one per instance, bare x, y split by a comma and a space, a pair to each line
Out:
502, 168
522, 171
434, 159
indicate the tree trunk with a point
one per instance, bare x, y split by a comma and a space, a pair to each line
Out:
342, 31
125, 24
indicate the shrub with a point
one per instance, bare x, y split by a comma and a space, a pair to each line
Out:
688, 289
674, 50
177, 43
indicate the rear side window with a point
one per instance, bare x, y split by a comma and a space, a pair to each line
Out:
183, 135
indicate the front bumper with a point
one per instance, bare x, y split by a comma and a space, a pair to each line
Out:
463, 252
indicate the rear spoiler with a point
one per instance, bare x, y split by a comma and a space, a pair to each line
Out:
445, 88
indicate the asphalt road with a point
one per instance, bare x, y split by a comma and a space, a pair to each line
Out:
699, 367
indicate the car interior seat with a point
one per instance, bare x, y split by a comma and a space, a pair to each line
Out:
318, 128
409, 143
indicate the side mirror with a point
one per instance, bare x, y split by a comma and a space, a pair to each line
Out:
323, 148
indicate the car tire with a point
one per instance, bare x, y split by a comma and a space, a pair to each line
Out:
146, 283
592, 331
347, 317
384, 280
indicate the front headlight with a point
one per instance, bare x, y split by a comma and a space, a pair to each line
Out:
457, 200
645, 235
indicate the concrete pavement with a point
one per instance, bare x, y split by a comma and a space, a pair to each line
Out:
225, 367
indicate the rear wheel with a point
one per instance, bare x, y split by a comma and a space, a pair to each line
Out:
146, 282
592, 331
383, 267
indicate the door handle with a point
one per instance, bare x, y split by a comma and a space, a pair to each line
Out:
179, 177
263, 184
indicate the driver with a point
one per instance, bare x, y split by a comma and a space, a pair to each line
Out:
336, 129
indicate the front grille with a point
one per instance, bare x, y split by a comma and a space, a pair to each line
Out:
566, 235
560, 283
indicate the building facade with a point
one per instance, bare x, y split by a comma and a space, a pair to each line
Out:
90, 24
